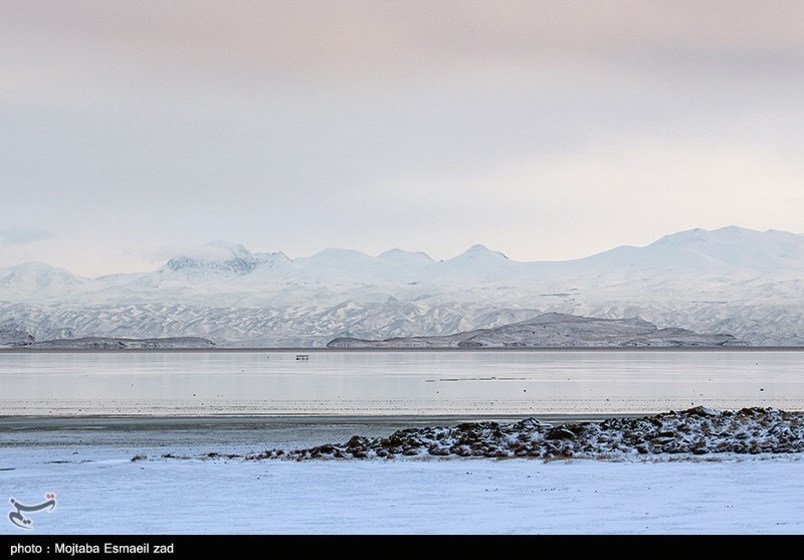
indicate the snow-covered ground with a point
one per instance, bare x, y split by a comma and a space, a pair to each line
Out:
413, 496
100, 489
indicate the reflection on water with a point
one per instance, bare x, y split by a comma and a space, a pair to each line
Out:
396, 383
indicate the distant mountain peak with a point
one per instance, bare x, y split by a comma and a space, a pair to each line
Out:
724, 251
216, 257
479, 251
338, 252
38, 275
276, 256
216, 251
727, 234
683, 237
40, 269
398, 255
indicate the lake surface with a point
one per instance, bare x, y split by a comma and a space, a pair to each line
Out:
396, 383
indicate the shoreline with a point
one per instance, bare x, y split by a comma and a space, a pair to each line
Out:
317, 350
695, 431
20, 423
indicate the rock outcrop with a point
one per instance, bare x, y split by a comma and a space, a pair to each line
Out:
555, 330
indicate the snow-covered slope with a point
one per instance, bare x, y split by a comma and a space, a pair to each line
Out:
744, 282
37, 281
11, 335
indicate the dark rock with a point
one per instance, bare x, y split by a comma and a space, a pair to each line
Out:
560, 433
357, 442
702, 411
438, 451
695, 431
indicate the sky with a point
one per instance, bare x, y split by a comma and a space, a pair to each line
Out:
548, 130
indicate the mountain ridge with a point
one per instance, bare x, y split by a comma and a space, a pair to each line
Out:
221, 254
744, 282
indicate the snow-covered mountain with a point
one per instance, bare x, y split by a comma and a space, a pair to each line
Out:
40, 281
744, 282
222, 258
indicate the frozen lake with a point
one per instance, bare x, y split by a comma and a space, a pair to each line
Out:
396, 383
87, 461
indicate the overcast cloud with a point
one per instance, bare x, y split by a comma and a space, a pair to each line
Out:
21, 236
546, 130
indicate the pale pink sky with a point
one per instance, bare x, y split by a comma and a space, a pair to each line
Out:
546, 130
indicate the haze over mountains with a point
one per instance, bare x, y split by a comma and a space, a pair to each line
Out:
743, 282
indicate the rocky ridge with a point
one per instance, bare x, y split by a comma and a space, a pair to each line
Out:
107, 343
555, 330
697, 431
